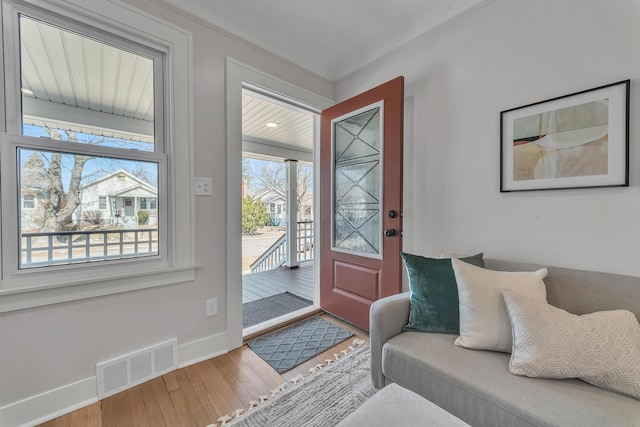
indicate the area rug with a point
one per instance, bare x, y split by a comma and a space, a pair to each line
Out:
268, 308
289, 347
322, 399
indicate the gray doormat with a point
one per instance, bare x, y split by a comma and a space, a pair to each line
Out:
289, 347
268, 308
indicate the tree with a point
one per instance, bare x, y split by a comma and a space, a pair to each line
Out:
61, 205
271, 175
268, 174
254, 215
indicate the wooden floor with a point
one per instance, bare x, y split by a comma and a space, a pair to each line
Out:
197, 395
298, 281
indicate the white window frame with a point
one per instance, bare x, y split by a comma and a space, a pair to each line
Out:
102, 199
21, 289
31, 198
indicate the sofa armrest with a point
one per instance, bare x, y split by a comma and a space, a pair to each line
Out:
386, 319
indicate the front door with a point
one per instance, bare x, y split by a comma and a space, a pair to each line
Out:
128, 206
361, 202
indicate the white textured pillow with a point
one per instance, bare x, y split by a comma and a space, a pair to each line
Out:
601, 348
484, 322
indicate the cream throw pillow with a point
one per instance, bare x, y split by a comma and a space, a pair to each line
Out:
601, 348
484, 322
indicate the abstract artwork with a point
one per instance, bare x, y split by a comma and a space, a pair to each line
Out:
578, 140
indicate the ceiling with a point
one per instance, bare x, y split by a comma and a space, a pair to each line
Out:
331, 38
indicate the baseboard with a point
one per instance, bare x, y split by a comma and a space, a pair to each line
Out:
202, 349
52, 404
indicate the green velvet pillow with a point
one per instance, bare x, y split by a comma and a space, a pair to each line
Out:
434, 293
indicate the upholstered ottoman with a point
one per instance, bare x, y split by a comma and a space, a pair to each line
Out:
398, 407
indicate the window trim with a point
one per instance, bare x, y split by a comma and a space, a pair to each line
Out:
178, 265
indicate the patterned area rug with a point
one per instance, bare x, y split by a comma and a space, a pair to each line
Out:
289, 347
323, 399
268, 308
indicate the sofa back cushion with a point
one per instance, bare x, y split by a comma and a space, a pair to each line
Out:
579, 291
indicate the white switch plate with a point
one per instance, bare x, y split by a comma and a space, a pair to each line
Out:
212, 307
204, 186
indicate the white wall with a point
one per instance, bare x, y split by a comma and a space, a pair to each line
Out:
49, 347
509, 54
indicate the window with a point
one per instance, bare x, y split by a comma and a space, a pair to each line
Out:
83, 135
143, 203
272, 208
153, 203
95, 100
28, 201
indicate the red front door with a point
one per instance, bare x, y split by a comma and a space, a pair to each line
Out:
361, 201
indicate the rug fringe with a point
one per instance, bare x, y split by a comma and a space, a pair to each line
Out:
254, 404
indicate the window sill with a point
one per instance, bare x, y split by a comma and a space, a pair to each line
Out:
16, 298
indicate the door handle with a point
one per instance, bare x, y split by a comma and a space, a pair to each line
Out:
390, 232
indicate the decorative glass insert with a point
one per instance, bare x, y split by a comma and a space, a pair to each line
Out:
357, 188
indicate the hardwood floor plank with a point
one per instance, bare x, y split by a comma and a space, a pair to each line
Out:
139, 413
165, 402
152, 406
202, 414
117, 410
221, 396
170, 381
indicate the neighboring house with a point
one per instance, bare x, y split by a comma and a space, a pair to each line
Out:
116, 199
274, 201
33, 193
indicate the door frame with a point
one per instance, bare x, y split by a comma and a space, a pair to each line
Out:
238, 75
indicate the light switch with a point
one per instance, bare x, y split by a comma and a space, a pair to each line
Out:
204, 186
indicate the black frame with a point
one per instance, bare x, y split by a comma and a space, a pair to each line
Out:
505, 119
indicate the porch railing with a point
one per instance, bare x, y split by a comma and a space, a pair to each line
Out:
67, 247
276, 255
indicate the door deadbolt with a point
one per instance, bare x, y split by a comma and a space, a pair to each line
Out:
389, 232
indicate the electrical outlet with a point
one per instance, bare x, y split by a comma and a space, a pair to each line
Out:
204, 186
212, 307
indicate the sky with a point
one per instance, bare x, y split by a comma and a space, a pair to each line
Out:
97, 167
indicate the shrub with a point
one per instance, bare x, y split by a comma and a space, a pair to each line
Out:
143, 217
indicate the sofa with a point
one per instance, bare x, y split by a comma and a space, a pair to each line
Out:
476, 385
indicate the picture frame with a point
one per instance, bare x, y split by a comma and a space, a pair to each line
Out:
579, 140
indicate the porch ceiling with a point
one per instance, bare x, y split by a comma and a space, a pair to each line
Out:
91, 87
293, 137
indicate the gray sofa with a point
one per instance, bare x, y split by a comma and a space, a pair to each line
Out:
476, 385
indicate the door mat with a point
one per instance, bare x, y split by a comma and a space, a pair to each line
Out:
268, 308
289, 347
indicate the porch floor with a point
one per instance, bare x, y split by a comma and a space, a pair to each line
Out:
298, 281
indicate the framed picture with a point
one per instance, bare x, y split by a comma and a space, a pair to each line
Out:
574, 141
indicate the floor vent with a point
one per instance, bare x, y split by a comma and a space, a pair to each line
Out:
134, 368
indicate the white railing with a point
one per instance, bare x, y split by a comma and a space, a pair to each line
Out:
276, 255
67, 247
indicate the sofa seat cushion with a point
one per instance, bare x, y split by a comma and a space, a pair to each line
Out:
476, 386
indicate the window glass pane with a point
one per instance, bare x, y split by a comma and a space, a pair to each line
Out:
67, 225
79, 89
28, 201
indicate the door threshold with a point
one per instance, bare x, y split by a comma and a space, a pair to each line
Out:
279, 322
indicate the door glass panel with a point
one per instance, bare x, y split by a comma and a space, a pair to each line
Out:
357, 165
